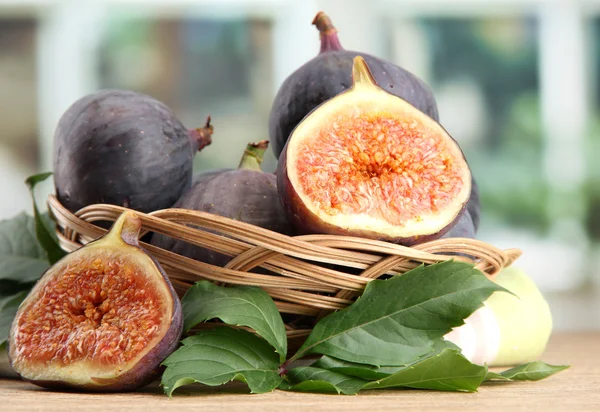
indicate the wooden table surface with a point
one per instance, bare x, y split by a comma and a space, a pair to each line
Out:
575, 389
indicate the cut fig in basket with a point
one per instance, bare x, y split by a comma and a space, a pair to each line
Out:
102, 318
367, 163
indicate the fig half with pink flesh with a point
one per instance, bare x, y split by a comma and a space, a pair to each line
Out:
368, 163
103, 318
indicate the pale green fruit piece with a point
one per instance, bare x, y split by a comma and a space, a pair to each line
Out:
524, 320
509, 329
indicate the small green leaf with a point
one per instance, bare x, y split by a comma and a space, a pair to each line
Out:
243, 306
21, 257
532, 371
311, 379
45, 235
448, 370
8, 310
396, 320
493, 376
215, 357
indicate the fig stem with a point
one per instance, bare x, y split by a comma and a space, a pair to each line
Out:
361, 74
202, 137
328, 33
253, 155
127, 228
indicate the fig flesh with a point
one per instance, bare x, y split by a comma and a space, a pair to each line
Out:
123, 148
367, 163
101, 319
246, 194
330, 73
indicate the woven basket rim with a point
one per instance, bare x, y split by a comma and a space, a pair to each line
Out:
252, 246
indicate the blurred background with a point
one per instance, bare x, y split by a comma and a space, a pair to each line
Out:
516, 83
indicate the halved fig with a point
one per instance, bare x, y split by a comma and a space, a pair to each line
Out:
103, 318
368, 163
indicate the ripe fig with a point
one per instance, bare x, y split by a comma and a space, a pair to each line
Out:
330, 73
101, 319
368, 163
246, 194
124, 148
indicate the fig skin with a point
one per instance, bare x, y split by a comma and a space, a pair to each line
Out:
305, 221
123, 148
464, 227
474, 205
246, 194
330, 73
148, 368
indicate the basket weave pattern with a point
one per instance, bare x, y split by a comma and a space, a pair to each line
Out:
308, 275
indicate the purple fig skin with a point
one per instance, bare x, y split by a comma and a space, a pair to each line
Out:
246, 194
123, 148
463, 228
306, 222
474, 205
148, 368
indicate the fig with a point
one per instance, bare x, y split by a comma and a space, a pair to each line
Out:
246, 194
368, 163
330, 73
101, 319
124, 148
464, 227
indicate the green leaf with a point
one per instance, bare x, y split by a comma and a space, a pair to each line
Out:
311, 379
532, 371
45, 235
8, 310
448, 370
370, 372
243, 306
21, 257
396, 320
214, 357
493, 376
357, 370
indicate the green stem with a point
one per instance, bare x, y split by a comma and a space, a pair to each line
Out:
253, 155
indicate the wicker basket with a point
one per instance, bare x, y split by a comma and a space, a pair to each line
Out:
307, 276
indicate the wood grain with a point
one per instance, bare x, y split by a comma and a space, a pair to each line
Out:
576, 389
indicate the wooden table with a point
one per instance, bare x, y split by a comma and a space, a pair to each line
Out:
575, 389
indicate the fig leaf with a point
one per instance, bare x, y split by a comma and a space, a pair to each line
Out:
446, 370
532, 371
313, 379
370, 372
398, 320
45, 236
215, 357
8, 309
241, 306
22, 259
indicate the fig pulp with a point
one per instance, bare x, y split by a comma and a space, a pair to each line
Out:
246, 194
103, 318
123, 148
330, 73
368, 163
